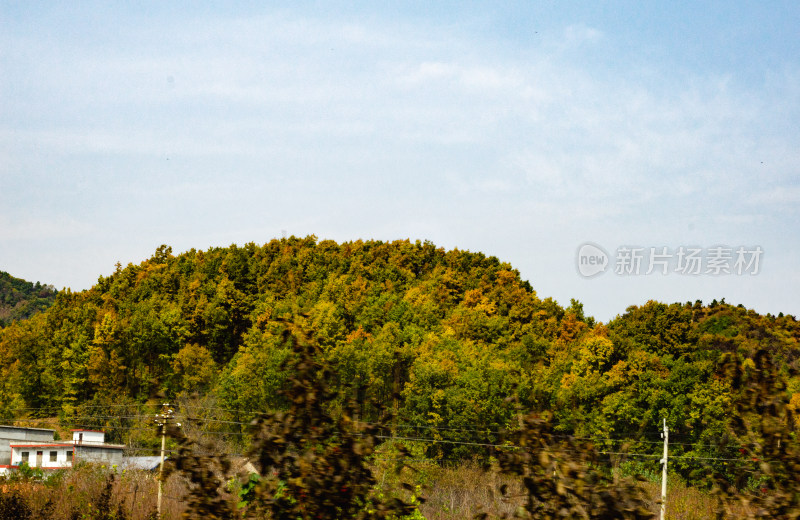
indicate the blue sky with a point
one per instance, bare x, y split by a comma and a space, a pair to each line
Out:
519, 130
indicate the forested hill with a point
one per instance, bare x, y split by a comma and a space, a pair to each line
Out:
204, 321
456, 333
20, 299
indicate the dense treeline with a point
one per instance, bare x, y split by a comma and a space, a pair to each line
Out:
20, 299
453, 340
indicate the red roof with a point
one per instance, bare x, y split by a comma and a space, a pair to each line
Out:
70, 445
48, 445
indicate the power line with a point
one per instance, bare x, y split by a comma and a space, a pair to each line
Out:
434, 428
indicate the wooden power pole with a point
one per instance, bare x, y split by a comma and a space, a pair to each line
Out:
163, 421
665, 435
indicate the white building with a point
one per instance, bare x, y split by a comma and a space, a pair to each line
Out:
88, 436
86, 445
20, 435
45, 456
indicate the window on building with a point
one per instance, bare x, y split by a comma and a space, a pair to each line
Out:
69, 456
53, 456
24, 456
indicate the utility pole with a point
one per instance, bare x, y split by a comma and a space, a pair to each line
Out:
395, 394
665, 436
163, 420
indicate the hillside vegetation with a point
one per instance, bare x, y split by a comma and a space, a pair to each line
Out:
454, 341
20, 299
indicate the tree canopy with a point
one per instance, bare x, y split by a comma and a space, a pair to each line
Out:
453, 341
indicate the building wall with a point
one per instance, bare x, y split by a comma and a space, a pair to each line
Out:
63, 456
18, 435
88, 436
99, 455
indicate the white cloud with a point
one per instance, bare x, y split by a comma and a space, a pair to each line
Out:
304, 83
579, 34
784, 195
16, 228
427, 71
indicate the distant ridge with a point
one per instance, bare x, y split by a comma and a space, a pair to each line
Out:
20, 299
